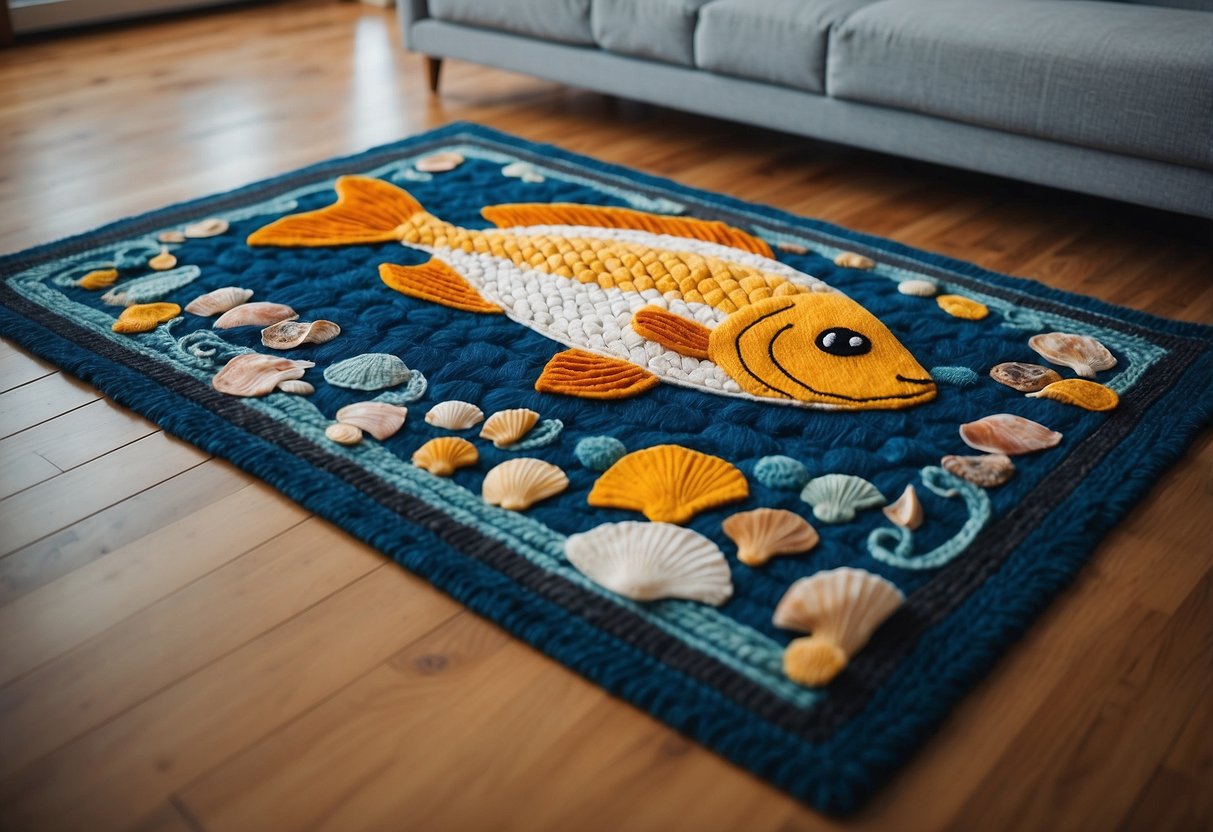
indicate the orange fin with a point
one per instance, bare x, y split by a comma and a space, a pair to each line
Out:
436, 282
366, 211
590, 376
685, 337
599, 216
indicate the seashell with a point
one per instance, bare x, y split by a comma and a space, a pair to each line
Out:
344, 434
918, 288
144, 317
836, 497
255, 314
218, 301
98, 279
959, 306
959, 376
518, 484
171, 237
599, 453
163, 261
649, 561
286, 335
906, 510
669, 484
851, 260
505, 427
1081, 353
1080, 393
454, 415
439, 162
763, 533
443, 455
1026, 378
369, 371
792, 248
379, 419
296, 387
1004, 433
842, 609
254, 374
523, 171
987, 470
781, 473
150, 288
212, 227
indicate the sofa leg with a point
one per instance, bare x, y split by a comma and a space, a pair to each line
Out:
433, 68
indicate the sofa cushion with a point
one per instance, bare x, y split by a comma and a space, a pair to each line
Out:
1126, 78
780, 41
560, 20
661, 30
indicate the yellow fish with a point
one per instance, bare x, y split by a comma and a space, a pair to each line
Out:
638, 298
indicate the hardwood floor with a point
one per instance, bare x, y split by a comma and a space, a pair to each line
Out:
183, 648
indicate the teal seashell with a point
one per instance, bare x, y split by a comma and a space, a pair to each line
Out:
369, 371
781, 473
836, 498
151, 288
956, 376
599, 453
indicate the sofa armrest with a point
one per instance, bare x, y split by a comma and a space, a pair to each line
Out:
409, 12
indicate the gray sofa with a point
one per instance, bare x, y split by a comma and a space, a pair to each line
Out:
1107, 98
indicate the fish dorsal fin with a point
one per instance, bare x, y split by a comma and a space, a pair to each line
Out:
436, 282
591, 376
366, 211
601, 216
674, 332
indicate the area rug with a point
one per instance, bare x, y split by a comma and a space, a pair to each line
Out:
789, 488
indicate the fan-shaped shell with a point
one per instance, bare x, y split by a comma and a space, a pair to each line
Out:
763, 533
517, 484
906, 510
1026, 378
344, 434
599, 453
144, 317
918, 288
98, 279
171, 237
296, 387
648, 561
286, 335
379, 419
218, 301
454, 415
439, 162
163, 261
851, 260
260, 314
1081, 353
792, 248
442, 456
836, 497
1079, 392
369, 371
1005, 433
254, 374
959, 306
211, 227
987, 470
505, 427
781, 473
669, 483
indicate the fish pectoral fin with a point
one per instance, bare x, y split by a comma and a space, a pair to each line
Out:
603, 216
436, 282
366, 211
674, 332
591, 376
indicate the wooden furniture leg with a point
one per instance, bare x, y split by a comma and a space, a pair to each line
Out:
433, 68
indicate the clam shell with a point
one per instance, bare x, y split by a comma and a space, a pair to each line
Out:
98, 279
505, 427
522, 170
763, 533
255, 314
254, 374
163, 261
836, 497
296, 387
648, 561
918, 288
286, 335
1005, 433
150, 288
851, 260
218, 301
792, 248
454, 415
599, 453
144, 317
987, 470
959, 306
669, 484
379, 419
517, 484
1081, 353
344, 434
442, 456
369, 371
906, 510
1026, 378
212, 227
1079, 392
171, 237
781, 473
439, 162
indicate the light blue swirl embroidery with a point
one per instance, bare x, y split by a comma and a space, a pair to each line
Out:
901, 539
542, 435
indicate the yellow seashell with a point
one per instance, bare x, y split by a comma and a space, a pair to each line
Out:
1089, 395
763, 533
98, 279
171, 237
851, 260
163, 261
813, 661
518, 484
961, 307
669, 484
505, 427
144, 317
442, 456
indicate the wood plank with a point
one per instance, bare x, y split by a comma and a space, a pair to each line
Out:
80, 435
47, 397
19, 472
18, 367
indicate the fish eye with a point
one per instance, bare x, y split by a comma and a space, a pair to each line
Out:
842, 341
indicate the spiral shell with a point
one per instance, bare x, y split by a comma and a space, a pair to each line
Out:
286, 335
1026, 378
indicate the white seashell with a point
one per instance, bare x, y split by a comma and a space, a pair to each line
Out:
380, 419
851, 260
505, 427
918, 288
255, 314
836, 497
648, 561
296, 387
517, 484
286, 335
218, 301
1081, 353
906, 510
206, 228
1006, 433
344, 434
763, 533
454, 415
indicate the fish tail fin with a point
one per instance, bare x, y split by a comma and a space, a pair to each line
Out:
367, 211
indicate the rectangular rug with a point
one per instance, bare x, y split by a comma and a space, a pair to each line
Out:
789, 488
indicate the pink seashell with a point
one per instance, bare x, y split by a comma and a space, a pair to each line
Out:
439, 162
254, 374
286, 335
1004, 433
255, 314
379, 419
1081, 353
218, 301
